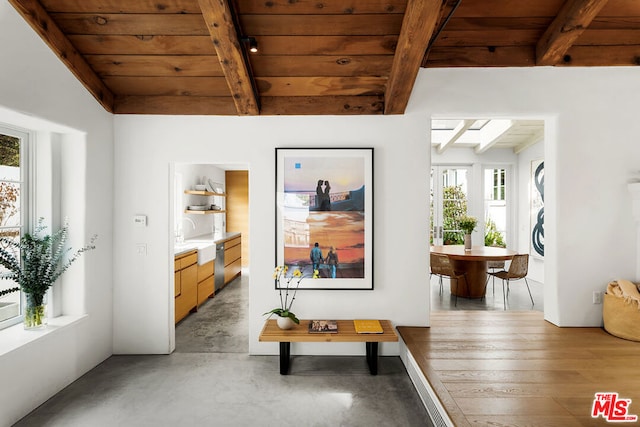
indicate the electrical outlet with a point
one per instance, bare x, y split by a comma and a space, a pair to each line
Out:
597, 297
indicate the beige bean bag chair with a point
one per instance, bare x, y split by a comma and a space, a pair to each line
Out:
621, 310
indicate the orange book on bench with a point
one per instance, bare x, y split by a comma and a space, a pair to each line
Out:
368, 326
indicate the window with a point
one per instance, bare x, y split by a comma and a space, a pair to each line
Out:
13, 210
495, 207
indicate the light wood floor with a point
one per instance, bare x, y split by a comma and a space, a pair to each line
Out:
515, 369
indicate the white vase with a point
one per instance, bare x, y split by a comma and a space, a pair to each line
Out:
467, 242
284, 322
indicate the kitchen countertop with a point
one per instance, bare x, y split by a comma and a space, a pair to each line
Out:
203, 239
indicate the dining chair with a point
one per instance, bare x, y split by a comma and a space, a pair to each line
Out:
441, 266
492, 267
518, 269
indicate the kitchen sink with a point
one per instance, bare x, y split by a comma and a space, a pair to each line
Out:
206, 249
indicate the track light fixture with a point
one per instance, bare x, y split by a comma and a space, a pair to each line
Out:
253, 44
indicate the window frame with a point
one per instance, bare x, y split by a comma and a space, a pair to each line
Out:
26, 163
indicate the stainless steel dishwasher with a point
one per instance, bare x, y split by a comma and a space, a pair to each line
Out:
219, 267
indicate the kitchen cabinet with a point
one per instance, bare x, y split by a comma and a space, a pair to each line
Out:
228, 264
186, 284
232, 259
205, 282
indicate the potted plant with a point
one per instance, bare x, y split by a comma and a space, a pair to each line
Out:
286, 318
467, 223
34, 263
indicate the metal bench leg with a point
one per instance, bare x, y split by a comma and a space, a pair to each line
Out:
285, 353
372, 357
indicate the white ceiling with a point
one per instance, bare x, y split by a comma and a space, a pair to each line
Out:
483, 134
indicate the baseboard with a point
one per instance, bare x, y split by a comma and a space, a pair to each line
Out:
436, 412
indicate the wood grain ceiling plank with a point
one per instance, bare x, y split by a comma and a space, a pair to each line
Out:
122, 6
305, 66
143, 45
508, 8
491, 23
321, 25
609, 38
167, 86
417, 28
41, 22
597, 56
175, 105
310, 7
155, 65
488, 38
613, 23
501, 56
621, 8
131, 24
220, 23
327, 45
321, 105
569, 24
320, 86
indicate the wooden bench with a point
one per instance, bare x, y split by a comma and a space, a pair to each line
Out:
346, 333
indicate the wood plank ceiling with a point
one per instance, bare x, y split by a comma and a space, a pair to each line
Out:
315, 56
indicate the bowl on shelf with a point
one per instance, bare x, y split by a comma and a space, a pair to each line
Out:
200, 187
197, 207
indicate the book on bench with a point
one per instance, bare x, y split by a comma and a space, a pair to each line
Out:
323, 326
368, 326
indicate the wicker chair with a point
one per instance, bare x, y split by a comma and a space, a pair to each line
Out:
492, 267
518, 269
441, 267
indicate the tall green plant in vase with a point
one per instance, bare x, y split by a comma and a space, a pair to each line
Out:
35, 262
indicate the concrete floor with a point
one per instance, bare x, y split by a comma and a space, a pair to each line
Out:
210, 380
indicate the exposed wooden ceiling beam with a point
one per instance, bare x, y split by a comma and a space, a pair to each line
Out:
572, 19
41, 22
456, 133
220, 23
417, 28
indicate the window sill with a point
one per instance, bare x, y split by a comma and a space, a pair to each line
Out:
16, 336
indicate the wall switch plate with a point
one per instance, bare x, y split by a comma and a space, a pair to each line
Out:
140, 220
141, 249
597, 297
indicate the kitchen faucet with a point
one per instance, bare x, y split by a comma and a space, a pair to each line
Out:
179, 233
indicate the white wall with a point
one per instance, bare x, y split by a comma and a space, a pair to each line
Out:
401, 171
591, 152
35, 84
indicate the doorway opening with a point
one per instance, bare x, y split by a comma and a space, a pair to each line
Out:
485, 168
209, 235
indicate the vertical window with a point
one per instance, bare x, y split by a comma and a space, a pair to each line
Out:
12, 211
495, 207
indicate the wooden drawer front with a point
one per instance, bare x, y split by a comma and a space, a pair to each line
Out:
188, 299
176, 283
189, 260
205, 289
177, 265
232, 254
232, 270
205, 271
233, 242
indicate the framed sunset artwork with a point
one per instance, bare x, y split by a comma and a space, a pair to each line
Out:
324, 215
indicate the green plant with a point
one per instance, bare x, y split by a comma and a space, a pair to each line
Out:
467, 223
35, 262
280, 276
492, 236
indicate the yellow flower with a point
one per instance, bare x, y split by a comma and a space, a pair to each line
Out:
297, 273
